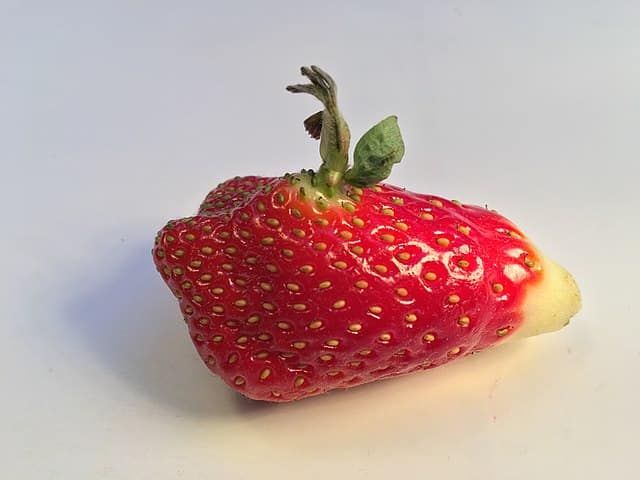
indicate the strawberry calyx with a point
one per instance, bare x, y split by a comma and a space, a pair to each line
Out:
375, 153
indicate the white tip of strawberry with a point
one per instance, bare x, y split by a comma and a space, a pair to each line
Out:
549, 305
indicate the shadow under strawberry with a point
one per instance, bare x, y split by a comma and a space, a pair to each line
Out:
133, 328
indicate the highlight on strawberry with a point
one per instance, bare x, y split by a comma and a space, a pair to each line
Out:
296, 285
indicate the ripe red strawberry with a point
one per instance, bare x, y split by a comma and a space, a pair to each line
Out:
297, 285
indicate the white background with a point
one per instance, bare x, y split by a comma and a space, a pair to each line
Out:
116, 116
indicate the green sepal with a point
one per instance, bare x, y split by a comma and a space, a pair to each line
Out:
375, 154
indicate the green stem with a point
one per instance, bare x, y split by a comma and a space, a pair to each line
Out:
334, 132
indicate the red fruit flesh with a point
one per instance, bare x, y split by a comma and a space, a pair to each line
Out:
285, 299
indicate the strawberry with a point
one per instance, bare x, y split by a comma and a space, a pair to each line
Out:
296, 285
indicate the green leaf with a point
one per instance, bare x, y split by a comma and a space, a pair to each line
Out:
376, 153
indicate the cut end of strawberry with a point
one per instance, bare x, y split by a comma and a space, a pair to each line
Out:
550, 303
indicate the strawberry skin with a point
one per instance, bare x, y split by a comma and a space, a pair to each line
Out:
284, 300
293, 286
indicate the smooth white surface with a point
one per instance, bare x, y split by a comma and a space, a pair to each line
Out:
115, 116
